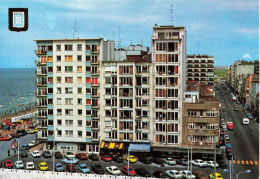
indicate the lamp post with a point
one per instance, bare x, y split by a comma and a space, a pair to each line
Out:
128, 162
53, 156
247, 171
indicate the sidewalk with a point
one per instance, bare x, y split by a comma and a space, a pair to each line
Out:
37, 147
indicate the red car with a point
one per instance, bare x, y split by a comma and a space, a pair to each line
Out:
82, 156
8, 164
2, 138
71, 168
106, 158
131, 171
200, 175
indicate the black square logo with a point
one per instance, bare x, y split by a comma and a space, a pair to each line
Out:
18, 19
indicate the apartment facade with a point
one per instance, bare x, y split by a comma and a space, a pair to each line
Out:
68, 82
168, 56
200, 68
126, 98
201, 120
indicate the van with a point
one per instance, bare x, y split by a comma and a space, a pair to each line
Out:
245, 121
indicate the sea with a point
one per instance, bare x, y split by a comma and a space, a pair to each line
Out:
17, 89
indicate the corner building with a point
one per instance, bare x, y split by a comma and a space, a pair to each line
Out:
168, 56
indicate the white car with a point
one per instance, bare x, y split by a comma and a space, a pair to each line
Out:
211, 164
170, 161
187, 174
29, 131
69, 155
174, 174
29, 165
32, 143
199, 163
113, 170
19, 164
35, 154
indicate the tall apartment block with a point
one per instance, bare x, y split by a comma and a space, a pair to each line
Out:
68, 98
169, 57
126, 98
200, 68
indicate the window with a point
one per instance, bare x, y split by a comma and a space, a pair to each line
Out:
68, 47
212, 126
94, 70
50, 80
68, 133
69, 101
88, 80
68, 79
68, 90
58, 100
88, 69
79, 79
145, 80
68, 68
58, 47
172, 139
87, 58
58, 58
88, 90
160, 46
126, 136
68, 58
59, 112
145, 91
69, 112
79, 90
79, 47
58, 79
79, 112
94, 59
212, 113
79, 68
79, 100
88, 47
79, 133
69, 122
172, 128
95, 135
95, 124
79, 123
50, 69
58, 68
192, 112
59, 122
58, 90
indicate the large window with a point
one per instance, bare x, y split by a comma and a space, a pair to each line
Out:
68, 68
68, 58
68, 47
68, 79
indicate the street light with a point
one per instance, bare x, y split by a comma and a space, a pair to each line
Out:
53, 156
247, 171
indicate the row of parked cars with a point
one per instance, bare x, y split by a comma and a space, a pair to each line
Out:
17, 134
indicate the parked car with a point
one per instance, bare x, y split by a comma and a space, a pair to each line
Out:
128, 171
93, 157
58, 155
250, 116
35, 154
142, 172
113, 170
29, 166
159, 174
70, 168
59, 167
117, 158
132, 159
158, 161
29, 131
218, 176
145, 160
33, 143
199, 163
182, 161
69, 155
97, 169
23, 153
46, 154
82, 156
222, 165
106, 158
71, 160
200, 175
24, 147
43, 166
35, 130
8, 137
21, 132
83, 168
170, 161
8, 164
14, 135
174, 174
19, 164
211, 164
187, 174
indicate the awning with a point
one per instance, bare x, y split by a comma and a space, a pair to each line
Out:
111, 145
104, 145
139, 148
119, 146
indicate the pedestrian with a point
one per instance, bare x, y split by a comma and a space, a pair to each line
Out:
8, 152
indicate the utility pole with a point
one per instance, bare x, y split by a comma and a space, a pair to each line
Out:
171, 11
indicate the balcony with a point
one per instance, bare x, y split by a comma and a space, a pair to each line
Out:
40, 52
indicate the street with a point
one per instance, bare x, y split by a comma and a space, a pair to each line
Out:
244, 138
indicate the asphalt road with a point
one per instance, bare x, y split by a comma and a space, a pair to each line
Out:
244, 138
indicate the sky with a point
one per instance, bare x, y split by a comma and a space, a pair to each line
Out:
227, 30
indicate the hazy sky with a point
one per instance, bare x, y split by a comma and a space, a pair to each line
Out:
226, 29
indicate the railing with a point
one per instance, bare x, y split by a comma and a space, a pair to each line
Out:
36, 174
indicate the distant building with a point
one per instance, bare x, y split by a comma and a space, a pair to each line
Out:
200, 68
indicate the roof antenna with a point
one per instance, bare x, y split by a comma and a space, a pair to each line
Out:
171, 10
113, 35
119, 44
75, 28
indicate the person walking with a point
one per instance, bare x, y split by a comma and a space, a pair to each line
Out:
8, 152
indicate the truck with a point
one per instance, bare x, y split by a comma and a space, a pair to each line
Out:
230, 125
245, 121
